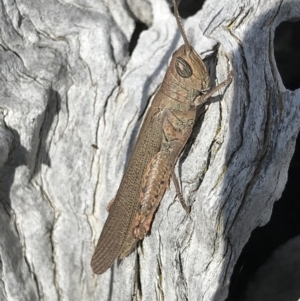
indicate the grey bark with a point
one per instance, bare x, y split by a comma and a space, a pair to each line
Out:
71, 103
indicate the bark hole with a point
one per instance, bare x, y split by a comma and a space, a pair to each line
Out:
286, 52
187, 8
139, 28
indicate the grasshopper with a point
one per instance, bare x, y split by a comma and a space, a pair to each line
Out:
165, 130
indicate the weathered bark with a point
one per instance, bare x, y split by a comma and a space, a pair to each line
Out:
71, 101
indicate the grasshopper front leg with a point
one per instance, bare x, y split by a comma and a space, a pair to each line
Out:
202, 99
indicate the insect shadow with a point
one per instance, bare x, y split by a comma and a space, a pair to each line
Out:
39, 148
20, 156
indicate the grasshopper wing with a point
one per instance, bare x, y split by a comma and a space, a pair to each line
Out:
122, 212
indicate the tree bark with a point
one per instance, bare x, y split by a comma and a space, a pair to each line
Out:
71, 102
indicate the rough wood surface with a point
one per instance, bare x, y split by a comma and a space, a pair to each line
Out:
71, 102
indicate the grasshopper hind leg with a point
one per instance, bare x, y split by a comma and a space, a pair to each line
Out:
154, 184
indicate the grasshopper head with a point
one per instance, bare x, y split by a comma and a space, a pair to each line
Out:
188, 69
187, 66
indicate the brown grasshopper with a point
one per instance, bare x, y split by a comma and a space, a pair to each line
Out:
165, 130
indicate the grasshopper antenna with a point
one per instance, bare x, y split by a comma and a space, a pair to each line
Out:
178, 19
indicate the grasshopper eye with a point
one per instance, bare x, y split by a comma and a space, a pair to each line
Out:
183, 68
